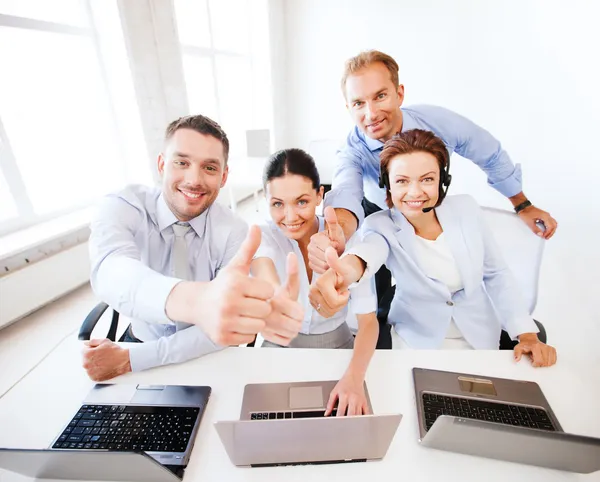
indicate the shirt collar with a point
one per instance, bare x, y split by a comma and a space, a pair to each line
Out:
408, 123
166, 218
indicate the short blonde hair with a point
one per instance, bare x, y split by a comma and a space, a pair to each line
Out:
366, 58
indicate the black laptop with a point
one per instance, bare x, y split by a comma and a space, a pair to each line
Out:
158, 420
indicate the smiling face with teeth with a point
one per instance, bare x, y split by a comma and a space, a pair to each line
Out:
193, 170
414, 183
373, 101
293, 201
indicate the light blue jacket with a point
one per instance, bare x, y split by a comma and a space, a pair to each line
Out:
423, 307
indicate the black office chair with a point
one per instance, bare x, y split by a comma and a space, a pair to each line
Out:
91, 320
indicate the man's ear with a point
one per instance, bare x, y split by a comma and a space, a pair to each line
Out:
400, 93
225, 176
161, 163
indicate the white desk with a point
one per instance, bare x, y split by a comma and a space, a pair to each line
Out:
33, 413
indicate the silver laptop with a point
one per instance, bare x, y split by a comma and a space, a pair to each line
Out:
160, 420
497, 418
84, 465
284, 424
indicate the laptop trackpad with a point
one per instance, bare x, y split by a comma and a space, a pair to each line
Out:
306, 397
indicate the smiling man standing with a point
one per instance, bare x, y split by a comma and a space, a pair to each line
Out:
156, 254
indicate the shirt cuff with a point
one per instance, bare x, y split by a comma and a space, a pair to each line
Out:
344, 200
523, 324
510, 186
180, 347
143, 356
361, 305
155, 304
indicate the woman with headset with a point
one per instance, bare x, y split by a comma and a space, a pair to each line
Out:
293, 192
453, 289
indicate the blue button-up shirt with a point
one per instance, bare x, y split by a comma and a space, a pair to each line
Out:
131, 246
357, 172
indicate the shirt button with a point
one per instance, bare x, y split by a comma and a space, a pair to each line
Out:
449, 303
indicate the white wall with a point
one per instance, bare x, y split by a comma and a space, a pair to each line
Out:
527, 70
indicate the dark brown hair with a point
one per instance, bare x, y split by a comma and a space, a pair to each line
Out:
202, 125
292, 161
366, 58
415, 140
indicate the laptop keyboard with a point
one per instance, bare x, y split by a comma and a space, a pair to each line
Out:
283, 415
518, 415
124, 428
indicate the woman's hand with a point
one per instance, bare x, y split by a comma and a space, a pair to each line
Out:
541, 355
350, 393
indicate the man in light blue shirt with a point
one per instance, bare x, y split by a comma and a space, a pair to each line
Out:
156, 254
373, 98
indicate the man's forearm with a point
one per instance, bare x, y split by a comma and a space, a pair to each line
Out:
347, 221
182, 299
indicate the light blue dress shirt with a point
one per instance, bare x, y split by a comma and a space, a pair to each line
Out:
422, 306
357, 171
276, 246
131, 246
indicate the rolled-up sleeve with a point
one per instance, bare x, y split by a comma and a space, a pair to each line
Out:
118, 276
363, 299
373, 250
347, 190
177, 348
479, 146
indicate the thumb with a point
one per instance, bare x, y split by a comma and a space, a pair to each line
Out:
332, 222
247, 250
333, 260
292, 284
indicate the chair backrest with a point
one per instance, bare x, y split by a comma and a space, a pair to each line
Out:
324, 152
521, 248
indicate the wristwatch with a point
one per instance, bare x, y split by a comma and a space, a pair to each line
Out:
523, 205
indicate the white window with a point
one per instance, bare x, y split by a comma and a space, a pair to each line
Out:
225, 50
65, 108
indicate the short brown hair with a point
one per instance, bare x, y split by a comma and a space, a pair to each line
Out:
366, 58
415, 140
202, 125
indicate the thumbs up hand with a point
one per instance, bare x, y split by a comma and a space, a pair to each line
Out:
332, 236
329, 294
285, 320
232, 308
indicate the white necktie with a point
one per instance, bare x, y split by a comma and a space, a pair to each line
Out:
180, 264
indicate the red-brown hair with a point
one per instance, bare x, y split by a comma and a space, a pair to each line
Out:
415, 140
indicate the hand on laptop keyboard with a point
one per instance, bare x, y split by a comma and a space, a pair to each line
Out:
349, 397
